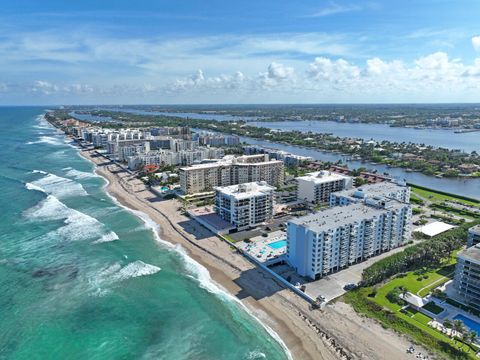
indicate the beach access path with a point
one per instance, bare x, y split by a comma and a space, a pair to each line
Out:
337, 332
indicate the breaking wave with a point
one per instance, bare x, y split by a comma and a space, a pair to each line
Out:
60, 187
77, 225
79, 175
51, 140
109, 237
116, 273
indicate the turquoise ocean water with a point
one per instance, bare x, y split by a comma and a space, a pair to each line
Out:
83, 278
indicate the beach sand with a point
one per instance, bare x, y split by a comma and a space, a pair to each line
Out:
337, 332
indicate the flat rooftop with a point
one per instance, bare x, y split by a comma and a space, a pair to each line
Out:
472, 252
475, 229
207, 215
435, 228
370, 190
322, 177
246, 190
337, 216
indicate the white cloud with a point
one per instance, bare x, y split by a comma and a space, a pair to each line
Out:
44, 87
332, 70
476, 43
48, 88
335, 8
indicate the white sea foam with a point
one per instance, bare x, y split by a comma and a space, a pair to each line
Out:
253, 355
109, 237
79, 175
42, 123
77, 225
135, 269
55, 185
115, 273
31, 186
51, 140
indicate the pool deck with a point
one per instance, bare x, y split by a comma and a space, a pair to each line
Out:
258, 246
451, 312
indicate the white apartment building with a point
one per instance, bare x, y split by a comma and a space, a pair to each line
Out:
167, 157
245, 205
316, 187
386, 189
337, 237
467, 276
231, 171
473, 236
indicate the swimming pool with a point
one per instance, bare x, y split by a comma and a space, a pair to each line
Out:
471, 324
278, 244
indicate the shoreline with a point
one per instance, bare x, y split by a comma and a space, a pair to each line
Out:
337, 332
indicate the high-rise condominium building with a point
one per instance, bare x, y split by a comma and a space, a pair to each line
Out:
316, 187
473, 236
231, 171
337, 237
245, 205
467, 276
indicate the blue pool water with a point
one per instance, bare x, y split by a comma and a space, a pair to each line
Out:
278, 244
471, 324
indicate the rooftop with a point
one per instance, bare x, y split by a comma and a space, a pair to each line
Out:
337, 216
475, 229
246, 190
322, 177
435, 228
471, 253
371, 190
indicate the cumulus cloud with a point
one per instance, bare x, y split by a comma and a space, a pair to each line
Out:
199, 81
476, 43
44, 87
276, 74
435, 76
333, 70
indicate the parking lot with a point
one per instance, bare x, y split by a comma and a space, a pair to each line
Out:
331, 286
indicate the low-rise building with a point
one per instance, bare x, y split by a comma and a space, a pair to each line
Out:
245, 205
337, 237
316, 187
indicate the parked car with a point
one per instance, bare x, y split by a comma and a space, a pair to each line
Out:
350, 286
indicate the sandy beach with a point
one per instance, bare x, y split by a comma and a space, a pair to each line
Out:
337, 332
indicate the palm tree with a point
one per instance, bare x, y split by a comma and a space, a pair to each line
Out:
458, 326
472, 335
447, 324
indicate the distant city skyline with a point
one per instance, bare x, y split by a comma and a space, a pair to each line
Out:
114, 52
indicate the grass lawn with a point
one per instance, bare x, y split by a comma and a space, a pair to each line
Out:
415, 283
413, 323
438, 198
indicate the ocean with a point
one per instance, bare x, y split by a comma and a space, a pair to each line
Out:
81, 277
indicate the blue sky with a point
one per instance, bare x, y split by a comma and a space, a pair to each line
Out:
66, 52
